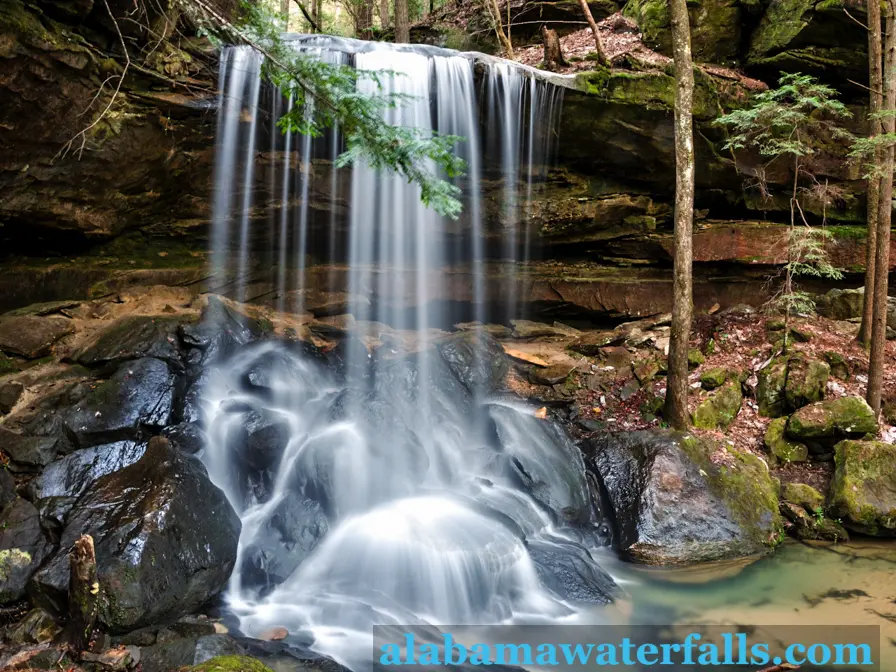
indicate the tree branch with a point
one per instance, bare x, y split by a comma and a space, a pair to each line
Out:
307, 16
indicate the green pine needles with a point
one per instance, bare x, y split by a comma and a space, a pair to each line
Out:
327, 95
790, 123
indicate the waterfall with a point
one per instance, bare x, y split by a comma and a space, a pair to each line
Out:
395, 487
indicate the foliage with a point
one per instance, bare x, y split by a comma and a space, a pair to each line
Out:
785, 120
786, 123
326, 95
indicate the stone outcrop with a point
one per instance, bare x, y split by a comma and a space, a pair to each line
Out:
863, 492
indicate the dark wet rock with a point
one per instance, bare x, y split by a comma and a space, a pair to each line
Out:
10, 393
494, 330
283, 542
165, 540
166, 656
806, 381
264, 438
53, 513
780, 447
32, 337
476, 359
721, 408
185, 627
291, 654
569, 571
226, 328
132, 337
23, 548
186, 437
593, 342
141, 395
212, 646
27, 453
73, 474
824, 423
7, 488
36, 628
863, 491
551, 375
673, 504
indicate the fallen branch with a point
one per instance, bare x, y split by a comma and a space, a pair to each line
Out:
307, 16
83, 594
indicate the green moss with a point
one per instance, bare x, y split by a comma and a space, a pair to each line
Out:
744, 485
772, 381
779, 447
695, 358
803, 495
863, 490
848, 232
7, 365
781, 23
713, 378
720, 409
832, 419
806, 381
231, 664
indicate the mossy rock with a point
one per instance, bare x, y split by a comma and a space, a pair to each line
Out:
715, 27
720, 409
832, 420
806, 381
770, 389
839, 365
780, 447
863, 490
231, 664
695, 358
803, 495
713, 378
809, 526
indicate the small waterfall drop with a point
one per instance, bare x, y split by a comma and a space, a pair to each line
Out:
393, 487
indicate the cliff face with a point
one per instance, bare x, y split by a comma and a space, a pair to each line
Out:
68, 180
88, 208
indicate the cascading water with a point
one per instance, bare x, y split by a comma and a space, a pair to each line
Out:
393, 487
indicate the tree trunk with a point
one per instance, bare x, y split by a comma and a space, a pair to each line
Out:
83, 593
384, 14
553, 54
874, 183
284, 12
885, 211
364, 19
494, 12
598, 45
676, 407
318, 10
402, 25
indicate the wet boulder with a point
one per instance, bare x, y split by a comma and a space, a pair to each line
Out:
282, 542
133, 337
863, 490
824, 423
476, 359
165, 540
140, 395
31, 336
7, 488
73, 474
27, 453
23, 547
569, 571
265, 438
186, 437
679, 499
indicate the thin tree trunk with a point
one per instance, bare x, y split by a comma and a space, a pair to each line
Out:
284, 12
598, 45
83, 593
875, 77
882, 258
384, 14
494, 12
318, 10
402, 25
676, 407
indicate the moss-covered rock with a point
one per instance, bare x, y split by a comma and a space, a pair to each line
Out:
770, 389
803, 495
682, 499
713, 378
829, 421
780, 448
231, 664
812, 525
863, 490
715, 27
806, 381
695, 358
838, 364
720, 409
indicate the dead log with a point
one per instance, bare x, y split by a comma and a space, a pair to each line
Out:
553, 54
83, 594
